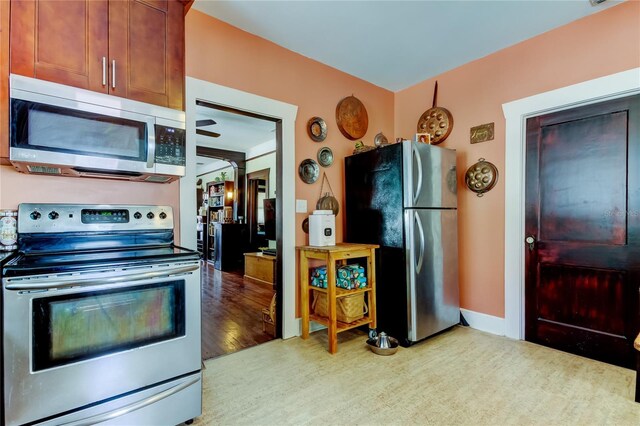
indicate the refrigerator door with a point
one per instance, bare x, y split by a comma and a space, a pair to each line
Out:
429, 176
432, 271
374, 197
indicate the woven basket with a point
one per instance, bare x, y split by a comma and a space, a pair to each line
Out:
348, 308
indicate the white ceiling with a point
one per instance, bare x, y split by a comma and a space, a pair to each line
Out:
207, 165
238, 132
395, 44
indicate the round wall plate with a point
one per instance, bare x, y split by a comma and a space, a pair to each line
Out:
325, 156
380, 140
317, 129
481, 177
309, 171
352, 118
438, 122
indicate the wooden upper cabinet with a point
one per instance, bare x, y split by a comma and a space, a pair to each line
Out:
128, 48
146, 47
4, 82
61, 41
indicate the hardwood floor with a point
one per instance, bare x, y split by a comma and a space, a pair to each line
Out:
231, 312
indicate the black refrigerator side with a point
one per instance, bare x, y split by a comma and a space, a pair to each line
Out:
374, 215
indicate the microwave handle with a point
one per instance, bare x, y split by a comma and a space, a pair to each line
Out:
151, 147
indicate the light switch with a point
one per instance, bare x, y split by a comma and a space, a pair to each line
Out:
301, 206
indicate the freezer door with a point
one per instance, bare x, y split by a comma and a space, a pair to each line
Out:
374, 197
429, 176
432, 271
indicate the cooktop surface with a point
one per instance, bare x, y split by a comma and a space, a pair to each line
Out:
60, 262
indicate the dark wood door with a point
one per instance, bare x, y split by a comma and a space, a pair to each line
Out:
61, 41
146, 47
583, 209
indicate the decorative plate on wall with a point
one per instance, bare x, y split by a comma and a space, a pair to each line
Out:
481, 177
325, 156
352, 118
317, 129
438, 122
309, 171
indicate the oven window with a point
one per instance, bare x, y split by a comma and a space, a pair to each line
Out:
76, 327
64, 130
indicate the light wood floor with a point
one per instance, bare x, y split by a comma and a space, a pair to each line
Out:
231, 312
463, 376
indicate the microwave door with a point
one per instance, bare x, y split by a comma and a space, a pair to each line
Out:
56, 131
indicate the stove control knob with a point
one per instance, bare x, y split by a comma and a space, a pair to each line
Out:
150, 215
35, 215
53, 215
137, 215
163, 215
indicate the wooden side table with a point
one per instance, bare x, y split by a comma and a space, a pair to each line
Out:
331, 255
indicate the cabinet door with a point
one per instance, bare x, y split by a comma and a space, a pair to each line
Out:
4, 82
146, 47
61, 41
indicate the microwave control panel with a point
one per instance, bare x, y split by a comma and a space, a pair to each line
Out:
170, 145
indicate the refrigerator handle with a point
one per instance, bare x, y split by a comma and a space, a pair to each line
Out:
421, 233
419, 162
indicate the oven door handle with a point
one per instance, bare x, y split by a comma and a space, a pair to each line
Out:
48, 284
109, 415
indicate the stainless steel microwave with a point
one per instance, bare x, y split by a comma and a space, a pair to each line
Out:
61, 130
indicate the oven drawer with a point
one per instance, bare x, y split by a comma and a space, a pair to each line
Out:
171, 403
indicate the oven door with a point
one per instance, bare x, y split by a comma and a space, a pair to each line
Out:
80, 339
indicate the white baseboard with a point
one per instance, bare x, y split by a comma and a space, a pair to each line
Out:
313, 326
477, 320
484, 322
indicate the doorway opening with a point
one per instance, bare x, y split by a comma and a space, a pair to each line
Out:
237, 173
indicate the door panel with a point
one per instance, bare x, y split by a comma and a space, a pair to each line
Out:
61, 41
429, 176
146, 41
583, 208
583, 297
583, 184
374, 206
432, 271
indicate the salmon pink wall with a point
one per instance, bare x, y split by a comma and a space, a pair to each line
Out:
225, 55
16, 188
601, 44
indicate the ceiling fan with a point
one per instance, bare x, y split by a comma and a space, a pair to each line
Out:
205, 123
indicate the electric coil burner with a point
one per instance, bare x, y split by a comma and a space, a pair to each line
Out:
101, 318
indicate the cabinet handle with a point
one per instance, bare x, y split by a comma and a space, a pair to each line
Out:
113, 74
104, 70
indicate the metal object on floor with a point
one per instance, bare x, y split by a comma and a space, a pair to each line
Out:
112, 275
383, 344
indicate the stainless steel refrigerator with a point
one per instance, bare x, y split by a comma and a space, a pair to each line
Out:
403, 197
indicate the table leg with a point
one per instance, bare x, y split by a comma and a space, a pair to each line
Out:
304, 293
331, 295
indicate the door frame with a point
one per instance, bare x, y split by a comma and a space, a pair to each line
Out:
237, 99
516, 113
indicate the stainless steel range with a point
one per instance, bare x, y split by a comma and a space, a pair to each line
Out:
101, 318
